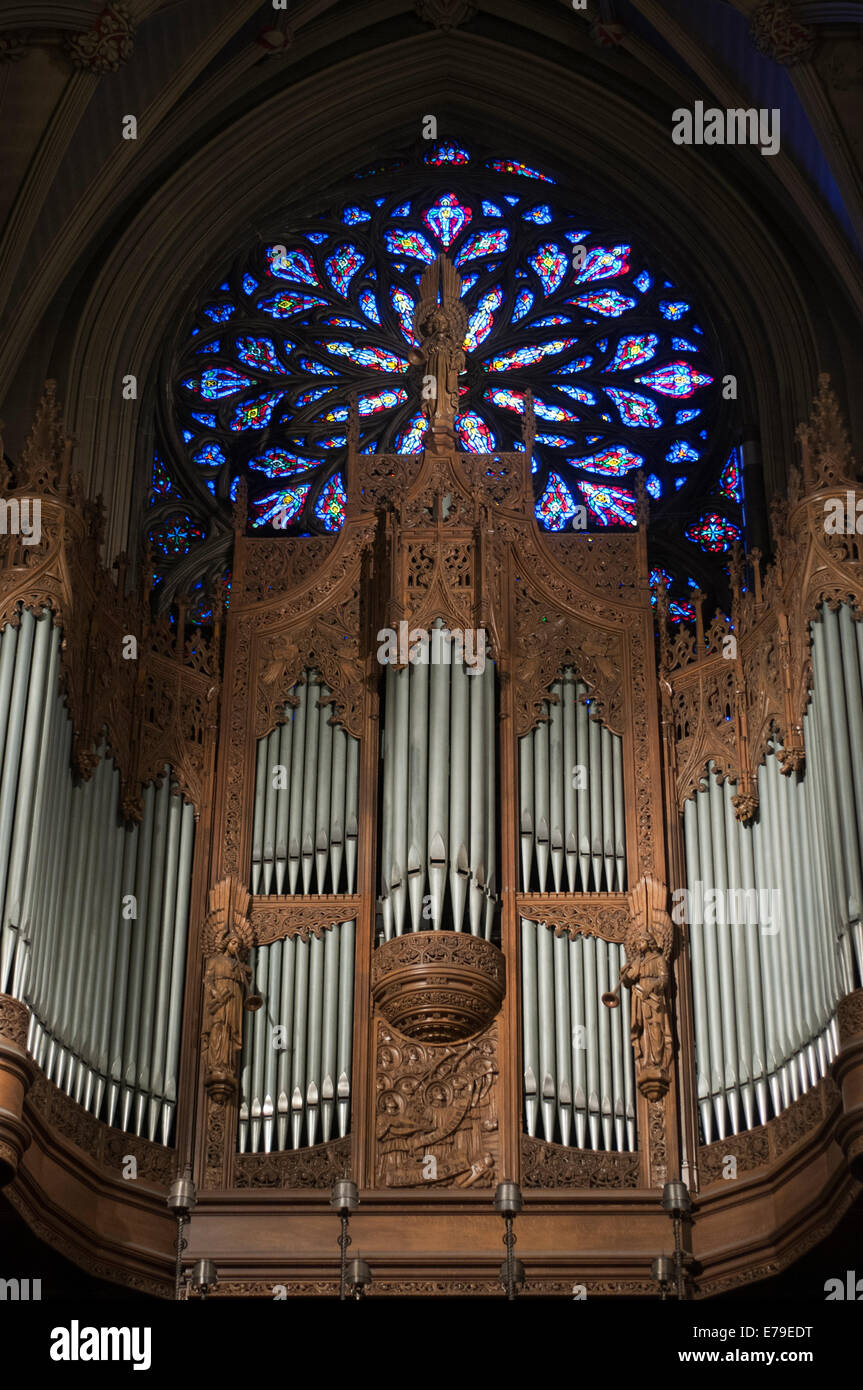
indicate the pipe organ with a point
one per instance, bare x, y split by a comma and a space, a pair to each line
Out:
572, 801
304, 834
439, 803
560, 893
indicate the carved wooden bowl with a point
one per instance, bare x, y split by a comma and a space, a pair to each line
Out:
438, 986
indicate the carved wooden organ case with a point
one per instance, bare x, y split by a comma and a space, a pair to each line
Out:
413, 922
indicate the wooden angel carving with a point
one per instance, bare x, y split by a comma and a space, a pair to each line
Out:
648, 939
227, 941
440, 322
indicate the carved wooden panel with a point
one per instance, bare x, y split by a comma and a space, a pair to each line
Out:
436, 1111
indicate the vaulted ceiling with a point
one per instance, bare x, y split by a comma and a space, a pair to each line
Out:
244, 109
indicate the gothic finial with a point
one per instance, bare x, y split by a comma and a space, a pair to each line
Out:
240, 514
826, 452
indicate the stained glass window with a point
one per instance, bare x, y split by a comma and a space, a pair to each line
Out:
558, 303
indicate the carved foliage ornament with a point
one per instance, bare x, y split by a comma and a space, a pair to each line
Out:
776, 33
107, 45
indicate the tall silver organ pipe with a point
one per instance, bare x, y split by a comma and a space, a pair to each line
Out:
571, 799
439, 799
304, 829
836, 733
579, 1077
296, 1065
767, 964
95, 912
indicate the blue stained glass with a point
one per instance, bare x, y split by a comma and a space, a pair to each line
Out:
615, 462
633, 351
410, 440
284, 305
675, 379
483, 244
279, 509
556, 507
523, 303
362, 343
551, 265
307, 364
681, 452
713, 533
216, 382
474, 433
675, 310
314, 394
447, 218
261, 353
609, 504
342, 266
696, 329
187, 435
578, 364
224, 285
578, 393
254, 414
610, 303
409, 244
205, 419
211, 487
330, 506
376, 357
482, 320
448, 152
635, 410
602, 263
292, 265
510, 166
731, 478
219, 312
280, 463
161, 483
404, 307
210, 456
369, 306
541, 215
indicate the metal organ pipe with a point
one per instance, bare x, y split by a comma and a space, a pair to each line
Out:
295, 1085
571, 799
579, 1078
765, 947
104, 984
304, 827
439, 812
